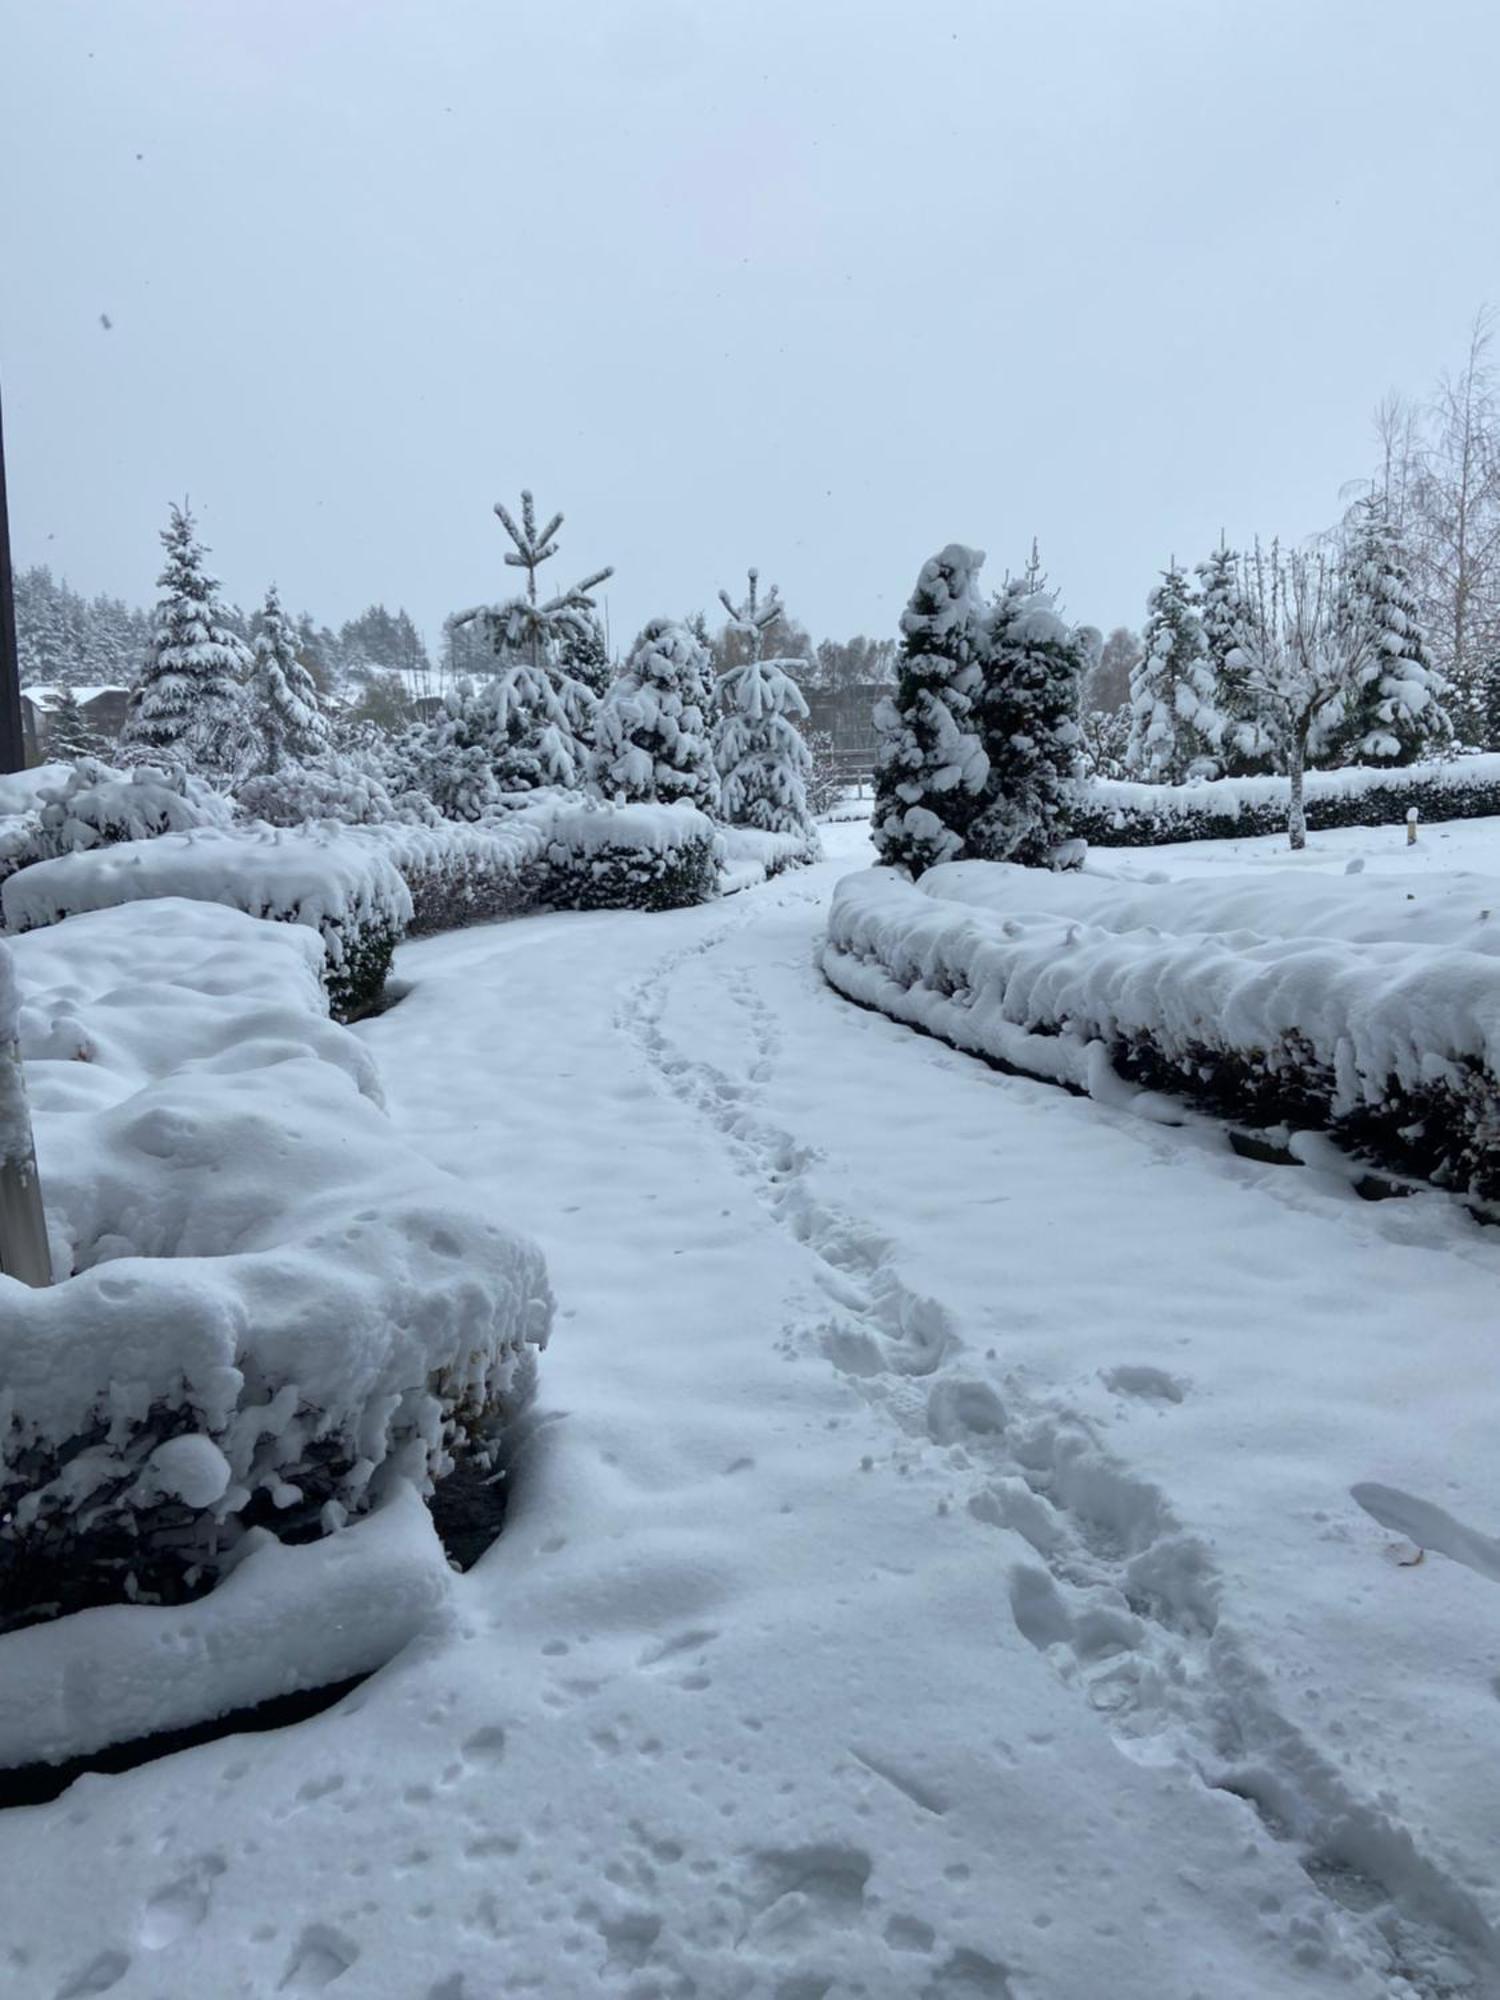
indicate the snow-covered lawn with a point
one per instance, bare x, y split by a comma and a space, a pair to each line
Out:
964, 1548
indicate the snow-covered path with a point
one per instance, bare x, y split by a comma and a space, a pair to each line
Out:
935, 1572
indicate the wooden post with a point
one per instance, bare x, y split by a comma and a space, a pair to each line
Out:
23, 1226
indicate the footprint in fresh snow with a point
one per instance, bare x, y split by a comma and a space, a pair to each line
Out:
182, 1905
107, 1970
322, 1956
958, 1410
1430, 1527
1152, 1385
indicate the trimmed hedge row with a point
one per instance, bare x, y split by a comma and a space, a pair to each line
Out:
1394, 1050
1114, 813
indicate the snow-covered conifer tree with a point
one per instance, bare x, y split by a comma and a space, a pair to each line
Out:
1032, 666
1176, 725
752, 619
651, 732
69, 736
544, 711
932, 767
1397, 713
1244, 750
286, 723
762, 757
189, 702
452, 758
583, 653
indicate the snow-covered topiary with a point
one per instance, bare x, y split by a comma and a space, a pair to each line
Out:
651, 732
286, 723
1396, 713
1032, 666
762, 757
932, 766
188, 704
1176, 726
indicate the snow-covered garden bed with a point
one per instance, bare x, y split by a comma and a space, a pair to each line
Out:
1393, 1047
751, 855
1117, 813
269, 1312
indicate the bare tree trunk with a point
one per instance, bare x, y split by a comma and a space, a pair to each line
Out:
1296, 823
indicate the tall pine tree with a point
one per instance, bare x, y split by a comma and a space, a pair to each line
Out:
287, 724
188, 704
1176, 725
932, 766
1032, 669
1244, 750
1397, 712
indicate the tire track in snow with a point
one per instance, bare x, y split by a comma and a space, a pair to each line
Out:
1123, 1601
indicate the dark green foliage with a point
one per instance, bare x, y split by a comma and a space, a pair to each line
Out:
1213, 812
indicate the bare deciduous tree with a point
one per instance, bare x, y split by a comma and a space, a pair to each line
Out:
1303, 648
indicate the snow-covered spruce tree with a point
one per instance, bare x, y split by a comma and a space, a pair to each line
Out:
531, 639
287, 725
751, 620
69, 736
762, 757
583, 652
1175, 721
1032, 666
1244, 750
931, 766
1397, 714
188, 704
1304, 651
651, 733
452, 758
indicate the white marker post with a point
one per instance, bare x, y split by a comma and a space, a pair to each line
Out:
1412, 817
23, 1225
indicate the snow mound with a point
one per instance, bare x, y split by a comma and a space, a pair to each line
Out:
1396, 1047
268, 1307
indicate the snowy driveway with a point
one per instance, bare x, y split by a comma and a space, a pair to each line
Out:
935, 1573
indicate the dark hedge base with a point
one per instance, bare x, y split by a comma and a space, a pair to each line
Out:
634, 878
1384, 803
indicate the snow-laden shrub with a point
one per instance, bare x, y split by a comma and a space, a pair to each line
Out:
333, 787
268, 1308
651, 730
641, 857
1118, 814
90, 804
323, 877
1395, 1049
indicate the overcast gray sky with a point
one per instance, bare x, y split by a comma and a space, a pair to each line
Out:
816, 286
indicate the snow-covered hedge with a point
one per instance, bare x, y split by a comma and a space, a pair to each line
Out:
458, 874
1458, 909
268, 1310
1394, 1048
751, 856
1116, 813
632, 857
325, 877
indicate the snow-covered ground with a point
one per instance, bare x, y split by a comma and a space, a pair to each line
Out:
965, 1549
